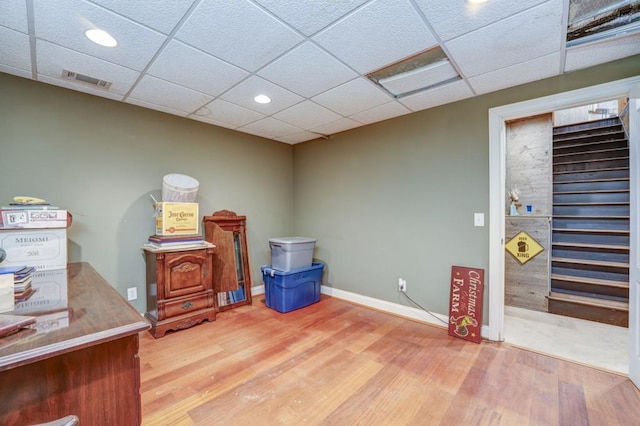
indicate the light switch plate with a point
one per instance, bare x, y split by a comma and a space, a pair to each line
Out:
478, 219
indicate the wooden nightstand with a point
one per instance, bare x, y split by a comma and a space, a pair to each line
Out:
179, 288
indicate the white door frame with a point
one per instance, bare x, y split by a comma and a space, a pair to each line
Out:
497, 204
634, 260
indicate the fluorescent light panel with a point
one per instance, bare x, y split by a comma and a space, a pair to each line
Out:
417, 73
419, 78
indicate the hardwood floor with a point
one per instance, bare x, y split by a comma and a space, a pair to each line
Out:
336, 363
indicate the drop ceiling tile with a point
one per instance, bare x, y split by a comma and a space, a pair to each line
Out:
382, 112
295, 138
226, 112
270, 127
519, 38
524, 72
453, 18
307, 70
161, 15
605, 51
243, 95
194, 69
352, 97
13, 14
14, 49
306, 115
15, 71
368, 39
209, 120
238, 32
310, 16
156, 107
64, 22
159, 92
53, 59
336, 126
438, 96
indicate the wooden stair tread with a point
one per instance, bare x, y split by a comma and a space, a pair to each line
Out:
591, 231
590, 262
591, 125
567, 142
592, 191
568, 216
589, 301
587, 131
617, 179
595, 151
606, 169
588, 280
592, 246
594, 203
595, 160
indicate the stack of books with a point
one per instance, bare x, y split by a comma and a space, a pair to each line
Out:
22, 276
231, 297
163, 242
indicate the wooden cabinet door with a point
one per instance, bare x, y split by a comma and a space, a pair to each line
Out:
186, 273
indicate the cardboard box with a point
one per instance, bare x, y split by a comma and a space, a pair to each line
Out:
44, 249
177, 218
34, 218
6, 292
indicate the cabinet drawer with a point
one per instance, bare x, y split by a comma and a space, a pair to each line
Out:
185, 305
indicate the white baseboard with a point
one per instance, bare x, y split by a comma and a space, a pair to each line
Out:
382, 305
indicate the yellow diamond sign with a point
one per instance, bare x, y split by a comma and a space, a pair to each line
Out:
523, 247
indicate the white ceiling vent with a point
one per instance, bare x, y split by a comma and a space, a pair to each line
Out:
595, 20
88, 80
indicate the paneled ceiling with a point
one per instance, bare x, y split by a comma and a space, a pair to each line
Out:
206, 59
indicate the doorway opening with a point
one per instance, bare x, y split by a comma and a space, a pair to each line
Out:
499, 117
567, 180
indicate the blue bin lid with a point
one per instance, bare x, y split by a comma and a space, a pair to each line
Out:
268, 270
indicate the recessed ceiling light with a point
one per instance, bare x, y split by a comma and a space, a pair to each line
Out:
262, 99
101, 37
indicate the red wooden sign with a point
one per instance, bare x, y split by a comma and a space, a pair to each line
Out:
465, 303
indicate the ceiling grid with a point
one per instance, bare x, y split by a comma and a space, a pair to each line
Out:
207, 59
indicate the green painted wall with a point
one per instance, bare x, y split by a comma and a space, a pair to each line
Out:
101, 159
393, 199
397, 198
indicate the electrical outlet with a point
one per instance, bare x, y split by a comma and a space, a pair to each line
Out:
132, 293
402, 285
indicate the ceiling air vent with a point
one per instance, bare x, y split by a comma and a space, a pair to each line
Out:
88, 80
595, 20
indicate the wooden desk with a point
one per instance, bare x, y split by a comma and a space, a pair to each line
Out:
89, 368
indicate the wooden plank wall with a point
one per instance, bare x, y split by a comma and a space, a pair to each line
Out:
529, 161
527, 285
529, 168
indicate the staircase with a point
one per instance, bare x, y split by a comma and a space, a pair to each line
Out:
590, 225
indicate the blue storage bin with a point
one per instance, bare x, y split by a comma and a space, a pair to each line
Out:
294, 289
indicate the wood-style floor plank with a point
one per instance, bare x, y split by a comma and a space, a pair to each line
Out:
336, 363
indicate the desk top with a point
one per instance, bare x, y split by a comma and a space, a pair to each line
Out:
93, 313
